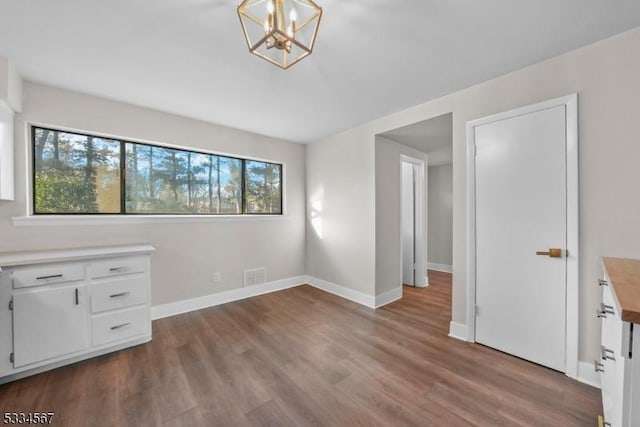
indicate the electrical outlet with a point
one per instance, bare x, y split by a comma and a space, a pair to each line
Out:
216, 277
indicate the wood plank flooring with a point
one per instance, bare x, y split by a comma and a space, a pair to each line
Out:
303, 357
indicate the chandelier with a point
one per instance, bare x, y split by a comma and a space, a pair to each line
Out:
280, 31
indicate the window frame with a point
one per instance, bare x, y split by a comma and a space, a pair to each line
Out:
31, 172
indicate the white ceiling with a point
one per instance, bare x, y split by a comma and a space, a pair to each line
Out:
372, 57
433, 136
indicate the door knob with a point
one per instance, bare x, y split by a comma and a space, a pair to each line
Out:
551, 253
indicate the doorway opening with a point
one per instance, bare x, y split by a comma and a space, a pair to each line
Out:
413, 217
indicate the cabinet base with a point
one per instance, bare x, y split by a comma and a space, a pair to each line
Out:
74, 359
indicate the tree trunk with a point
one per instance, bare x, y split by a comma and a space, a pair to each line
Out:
210, 185
40, 142
152, 189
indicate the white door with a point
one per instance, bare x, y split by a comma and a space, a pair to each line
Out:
521, 209
49, 322
408, 223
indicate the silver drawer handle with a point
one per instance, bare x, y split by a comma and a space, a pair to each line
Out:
607, 309
121, 294
119, 269
113, 328
601, 314
607, 354
53, 276
602, 282
598, 366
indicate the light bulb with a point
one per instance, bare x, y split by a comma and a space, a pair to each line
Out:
270, 7
293, 15
266, 25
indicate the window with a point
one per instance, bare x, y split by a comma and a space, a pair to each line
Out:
83, 174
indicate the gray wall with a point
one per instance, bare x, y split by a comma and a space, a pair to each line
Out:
188, 251
605, 75
440, 216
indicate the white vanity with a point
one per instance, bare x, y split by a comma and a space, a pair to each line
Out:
618, 364
61, 306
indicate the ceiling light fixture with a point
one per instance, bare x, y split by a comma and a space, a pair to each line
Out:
272, 36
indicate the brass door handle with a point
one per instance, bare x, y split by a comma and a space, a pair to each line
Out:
552, 253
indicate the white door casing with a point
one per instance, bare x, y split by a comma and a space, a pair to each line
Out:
408, 224
523, 198
418, 167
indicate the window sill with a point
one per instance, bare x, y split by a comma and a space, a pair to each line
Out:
58, 220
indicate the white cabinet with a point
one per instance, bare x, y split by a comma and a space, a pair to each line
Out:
619, 350
48, 322
58, 307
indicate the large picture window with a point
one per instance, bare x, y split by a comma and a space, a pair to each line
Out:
84, 174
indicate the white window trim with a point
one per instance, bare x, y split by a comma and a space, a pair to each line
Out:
123, 219
83, 220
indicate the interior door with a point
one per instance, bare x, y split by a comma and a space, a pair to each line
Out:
408, 224
521, 201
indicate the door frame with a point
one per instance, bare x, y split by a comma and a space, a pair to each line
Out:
570, 102
420, 219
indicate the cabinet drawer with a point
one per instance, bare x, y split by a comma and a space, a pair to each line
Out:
118, 292
117, 266
121, 325
613, 389
47, 275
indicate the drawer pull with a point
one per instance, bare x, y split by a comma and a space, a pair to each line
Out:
598, 366
607, 309
601, 314
607, 354
602, 282
53, 276
119, 269
120, 294
113, 328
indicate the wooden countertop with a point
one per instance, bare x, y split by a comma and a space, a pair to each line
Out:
624, 279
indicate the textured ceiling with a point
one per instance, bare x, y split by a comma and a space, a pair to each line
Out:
372, 57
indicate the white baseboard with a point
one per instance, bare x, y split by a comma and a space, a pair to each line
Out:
587, 374
440, 267
388, 297
184, 306
458, 331
342, 291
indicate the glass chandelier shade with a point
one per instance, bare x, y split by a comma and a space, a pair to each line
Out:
280, 31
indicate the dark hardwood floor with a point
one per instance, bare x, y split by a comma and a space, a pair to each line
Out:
304, 357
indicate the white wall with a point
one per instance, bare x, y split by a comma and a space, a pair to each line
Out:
440, 215
605, 74
340, 211
187, 252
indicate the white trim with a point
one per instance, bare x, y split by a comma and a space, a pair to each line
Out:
420, 220
60, 220
445, 268
342, 291
198, 303
388, 297
587, 374
572, 320
458, 331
